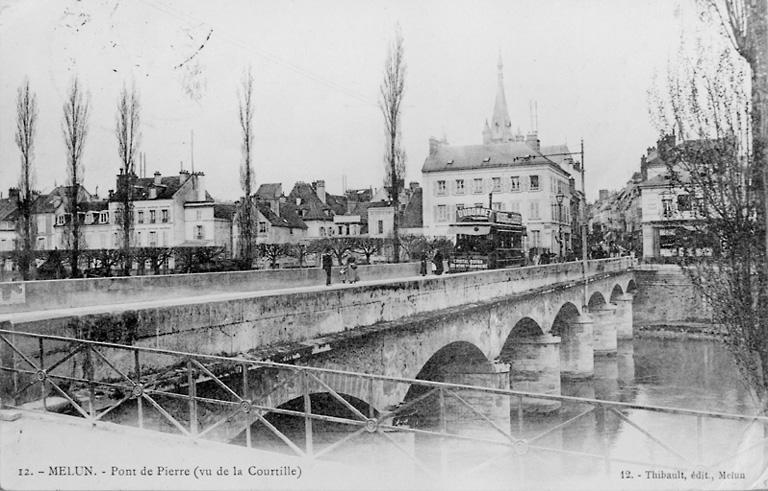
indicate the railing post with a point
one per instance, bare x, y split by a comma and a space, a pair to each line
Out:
443, 430
520, 415
91, 388
192, 392
43, 392
245, 396
601, 428
307, 412
139, 405
699, 441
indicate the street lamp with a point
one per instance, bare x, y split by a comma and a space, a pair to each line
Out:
560, 197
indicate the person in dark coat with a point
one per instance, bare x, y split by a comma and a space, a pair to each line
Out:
327, 264
423, 267
438, 260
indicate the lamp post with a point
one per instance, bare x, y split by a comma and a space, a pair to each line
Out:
560, 197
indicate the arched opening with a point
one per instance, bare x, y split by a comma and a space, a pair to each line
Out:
576, 354
616, 293
446, 365
292, 426
597, 300
631, 286
534, 363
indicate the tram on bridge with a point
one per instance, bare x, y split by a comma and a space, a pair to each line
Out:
486, 239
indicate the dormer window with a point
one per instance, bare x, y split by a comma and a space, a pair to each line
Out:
486, 160
450, 162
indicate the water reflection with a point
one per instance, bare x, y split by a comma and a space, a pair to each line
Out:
692, 374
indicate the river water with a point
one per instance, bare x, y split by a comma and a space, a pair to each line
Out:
665, 448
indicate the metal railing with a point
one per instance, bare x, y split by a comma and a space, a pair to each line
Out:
246, 401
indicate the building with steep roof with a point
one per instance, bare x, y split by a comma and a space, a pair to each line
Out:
508, 172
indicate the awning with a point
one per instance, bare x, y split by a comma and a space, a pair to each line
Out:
469, 229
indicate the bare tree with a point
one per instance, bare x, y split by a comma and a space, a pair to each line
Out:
128, 133
392, 90
75, 129
716, 108
26, 128
246, 235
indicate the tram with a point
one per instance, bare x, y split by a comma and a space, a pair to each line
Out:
486, 239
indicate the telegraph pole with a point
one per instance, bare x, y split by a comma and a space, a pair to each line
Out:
584, 227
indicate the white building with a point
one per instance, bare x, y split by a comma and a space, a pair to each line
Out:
508, 172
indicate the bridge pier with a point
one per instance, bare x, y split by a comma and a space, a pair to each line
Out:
495, 407
624, 316
577, 349
605, 341
535, 367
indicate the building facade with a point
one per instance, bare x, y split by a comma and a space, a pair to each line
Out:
508, 172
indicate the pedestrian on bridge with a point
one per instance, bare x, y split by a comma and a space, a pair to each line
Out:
438, 260
327, 264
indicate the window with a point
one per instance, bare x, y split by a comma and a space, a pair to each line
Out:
381, 226
666, 207
496, 184
138, 239
477, 186
459, 206
459, 186
152, 216
322, 231
164, 239
684, 202
441, 188
199, 215
60, 220
497, 205
140, 216
442, 213
534, 210
164, 216
262, 227
152, 238
514, 182
514, 206
534, 183
199, 232
536, 238
104, 217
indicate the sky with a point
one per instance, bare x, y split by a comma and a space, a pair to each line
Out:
317, 67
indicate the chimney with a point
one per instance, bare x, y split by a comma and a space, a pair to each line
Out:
200, 183
433, 144
320, 190
158, 178
532, 140
603, 194
13, 194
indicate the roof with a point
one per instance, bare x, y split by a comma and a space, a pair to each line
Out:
224, 210
484, 156
169, 185
337, 203
555, 153
287, 218
269, 191
7, 208
413, 216
95, 205
309, 204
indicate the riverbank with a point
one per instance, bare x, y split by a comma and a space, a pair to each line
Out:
678, 330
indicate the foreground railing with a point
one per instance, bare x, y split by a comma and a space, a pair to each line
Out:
320, 413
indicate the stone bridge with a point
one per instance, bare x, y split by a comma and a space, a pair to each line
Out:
519, 328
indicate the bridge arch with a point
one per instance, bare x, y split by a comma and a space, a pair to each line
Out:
616, 293
631, 286
576, 345
596, 300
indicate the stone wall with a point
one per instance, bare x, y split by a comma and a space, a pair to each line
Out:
55, 294
665, 295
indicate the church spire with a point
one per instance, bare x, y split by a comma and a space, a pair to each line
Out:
500, 126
